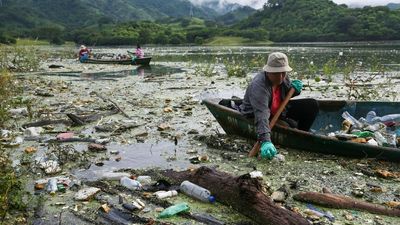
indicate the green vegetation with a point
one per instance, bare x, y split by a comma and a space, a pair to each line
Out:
308, 20
219, 41
19, 58
124, 22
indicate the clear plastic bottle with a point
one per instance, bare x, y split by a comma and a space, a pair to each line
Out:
370, 116
196, 192
130, 184
387, 118
144, 180
380, 139
375, 127
357, 124
52, 186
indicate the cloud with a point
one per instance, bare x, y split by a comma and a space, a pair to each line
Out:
253, 3
259, 3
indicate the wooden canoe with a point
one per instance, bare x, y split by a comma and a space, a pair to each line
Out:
142, 61
328, 120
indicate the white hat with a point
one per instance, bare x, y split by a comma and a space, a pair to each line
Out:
277, 62
82, 46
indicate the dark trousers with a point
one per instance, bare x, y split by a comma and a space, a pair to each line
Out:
303, 112
300, 113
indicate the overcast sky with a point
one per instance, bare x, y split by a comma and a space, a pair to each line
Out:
260, 3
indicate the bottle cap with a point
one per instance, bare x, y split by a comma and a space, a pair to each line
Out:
211, 199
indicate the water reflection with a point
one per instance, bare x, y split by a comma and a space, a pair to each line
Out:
157, 70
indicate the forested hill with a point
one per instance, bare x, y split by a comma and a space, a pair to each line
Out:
323, 20
78, 13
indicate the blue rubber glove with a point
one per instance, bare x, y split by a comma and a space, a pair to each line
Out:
268, 150
297, 85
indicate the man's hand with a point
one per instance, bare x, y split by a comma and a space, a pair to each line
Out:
297, 85
268, 150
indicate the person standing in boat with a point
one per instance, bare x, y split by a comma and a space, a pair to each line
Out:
139, 52
83, 53
265, 94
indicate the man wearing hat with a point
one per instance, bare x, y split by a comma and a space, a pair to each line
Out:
83, 53
265, 94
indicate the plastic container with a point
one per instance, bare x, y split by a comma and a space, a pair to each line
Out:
52, 186
387, 118
130, 184
356, 124
375, 127
370, 116
380, 139
197, 192
372, 142
165, 194
173, 210
144, 180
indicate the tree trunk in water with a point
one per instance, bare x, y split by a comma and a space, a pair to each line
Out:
344, 202
242, 193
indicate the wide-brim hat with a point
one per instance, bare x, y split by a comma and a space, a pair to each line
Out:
82, 46
277, 63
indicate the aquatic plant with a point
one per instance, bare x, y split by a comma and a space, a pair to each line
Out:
205, 69
19, 59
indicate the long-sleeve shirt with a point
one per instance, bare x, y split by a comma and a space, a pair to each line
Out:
139, 53
257, 101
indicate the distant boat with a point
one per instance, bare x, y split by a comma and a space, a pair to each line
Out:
234, 123
138, 61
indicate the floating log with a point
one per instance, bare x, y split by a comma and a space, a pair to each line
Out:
242, 193
344, 202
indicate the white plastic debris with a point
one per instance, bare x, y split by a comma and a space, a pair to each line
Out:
50, 167
33, 131
372, 142
86, 193
18, 112
256, 174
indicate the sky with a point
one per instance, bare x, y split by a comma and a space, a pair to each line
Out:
260, 3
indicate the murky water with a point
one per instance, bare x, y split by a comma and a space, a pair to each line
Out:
169, 91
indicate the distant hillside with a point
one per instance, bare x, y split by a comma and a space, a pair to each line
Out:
236, 15
323, 20
393, 6
27, 14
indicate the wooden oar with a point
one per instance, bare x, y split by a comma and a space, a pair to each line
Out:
256, 148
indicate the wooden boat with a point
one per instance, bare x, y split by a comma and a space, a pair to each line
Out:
328, 120
142, 61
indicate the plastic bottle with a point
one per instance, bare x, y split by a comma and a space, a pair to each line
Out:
370, 116
387, 118
380, 139
363, 134
52, 186
196, 192
165, 194
357, 124
391, 139
144, 179
173, 210
375, 127
130, 184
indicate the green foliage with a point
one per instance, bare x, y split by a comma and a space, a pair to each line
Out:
308, 20
20, 59
11, 196
236, 67
105, 22
206, 70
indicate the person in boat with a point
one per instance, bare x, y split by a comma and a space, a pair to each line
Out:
83, 53
265, 94
139, 52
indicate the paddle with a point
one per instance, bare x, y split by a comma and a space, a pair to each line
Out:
256, 148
